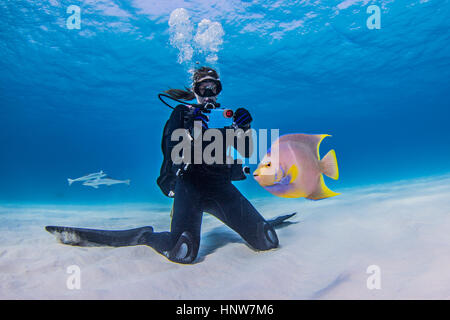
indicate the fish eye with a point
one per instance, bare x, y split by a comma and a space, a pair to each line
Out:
268, 164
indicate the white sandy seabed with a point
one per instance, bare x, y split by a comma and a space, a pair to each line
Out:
403, 228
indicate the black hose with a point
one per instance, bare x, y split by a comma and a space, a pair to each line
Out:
202, 106
172, 98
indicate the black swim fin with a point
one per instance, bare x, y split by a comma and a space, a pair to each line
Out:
121, 238
92, 237
280, 219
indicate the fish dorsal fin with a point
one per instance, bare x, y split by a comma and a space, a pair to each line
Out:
322, 191
311, 140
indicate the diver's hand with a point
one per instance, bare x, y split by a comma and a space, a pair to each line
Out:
242, 118
199, 116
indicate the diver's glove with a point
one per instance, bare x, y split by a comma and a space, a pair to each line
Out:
199, 116
242, 118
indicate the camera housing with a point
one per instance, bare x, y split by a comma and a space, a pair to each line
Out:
219, 118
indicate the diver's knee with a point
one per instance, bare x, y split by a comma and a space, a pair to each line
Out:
266, 238
185, 250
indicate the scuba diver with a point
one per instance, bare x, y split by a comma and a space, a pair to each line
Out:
205, 187
195, 188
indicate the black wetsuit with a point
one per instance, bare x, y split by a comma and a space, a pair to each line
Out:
205, 188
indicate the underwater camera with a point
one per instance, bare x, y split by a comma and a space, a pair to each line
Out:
219, 117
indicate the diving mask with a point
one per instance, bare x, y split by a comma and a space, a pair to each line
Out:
208, 87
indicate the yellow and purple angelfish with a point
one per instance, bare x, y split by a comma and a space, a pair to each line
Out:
297, 171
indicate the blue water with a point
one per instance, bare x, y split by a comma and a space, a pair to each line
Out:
75, 101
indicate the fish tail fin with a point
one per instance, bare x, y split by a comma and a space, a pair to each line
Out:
322, 191
70, 181
329, 166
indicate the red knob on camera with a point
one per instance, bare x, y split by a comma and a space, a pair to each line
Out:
228, 113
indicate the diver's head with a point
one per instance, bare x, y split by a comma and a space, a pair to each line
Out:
206, 85
205, 88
